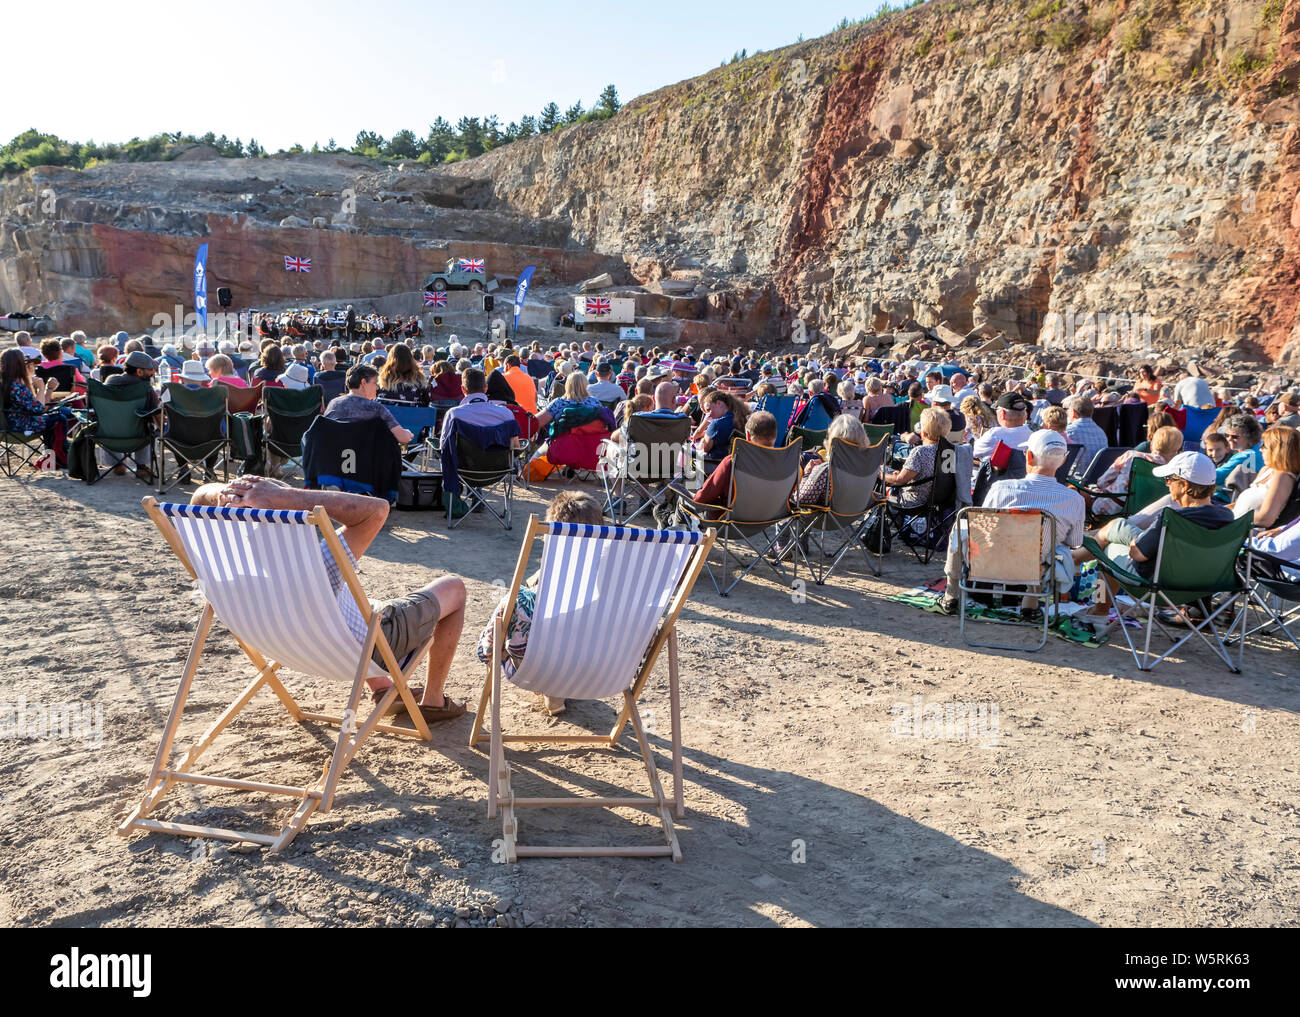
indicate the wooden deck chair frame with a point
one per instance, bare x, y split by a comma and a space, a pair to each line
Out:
320, 795
501, 796
1018, 569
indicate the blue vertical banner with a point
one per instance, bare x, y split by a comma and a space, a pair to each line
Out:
521, 291
201, 285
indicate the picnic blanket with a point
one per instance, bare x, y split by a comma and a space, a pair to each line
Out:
928, 598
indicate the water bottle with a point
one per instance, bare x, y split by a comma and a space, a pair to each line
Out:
164, 373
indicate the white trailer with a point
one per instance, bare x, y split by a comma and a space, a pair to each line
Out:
597, 312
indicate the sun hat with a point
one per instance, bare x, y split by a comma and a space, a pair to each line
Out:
941, 394
192, 370
295, 377
1193, 467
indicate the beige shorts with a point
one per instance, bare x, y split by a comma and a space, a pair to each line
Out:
407, 623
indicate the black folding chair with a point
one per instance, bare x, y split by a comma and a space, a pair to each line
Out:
935, 514
480, 470
655, 446
1274, 593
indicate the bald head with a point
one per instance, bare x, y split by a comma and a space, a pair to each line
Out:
666, 395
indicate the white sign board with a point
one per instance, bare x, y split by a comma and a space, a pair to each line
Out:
634, 334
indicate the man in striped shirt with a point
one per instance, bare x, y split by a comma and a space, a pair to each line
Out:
1038, 489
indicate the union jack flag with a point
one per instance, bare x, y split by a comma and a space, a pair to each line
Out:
472, 265
598, 305
297, 264
434, 299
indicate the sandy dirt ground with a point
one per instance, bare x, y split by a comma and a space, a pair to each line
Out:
1103, 796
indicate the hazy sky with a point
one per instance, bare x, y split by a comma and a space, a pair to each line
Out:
304, 72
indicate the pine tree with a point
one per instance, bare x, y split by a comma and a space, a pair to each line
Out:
550, 118
607, 105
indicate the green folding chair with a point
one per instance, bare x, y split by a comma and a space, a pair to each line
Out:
1192, 566
193, 431
289, 412
812, 440
875, 432
118, 421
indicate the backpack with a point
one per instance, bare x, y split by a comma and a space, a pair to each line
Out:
246, 440
81, 457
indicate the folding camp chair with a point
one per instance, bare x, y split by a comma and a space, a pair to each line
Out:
18, 449
119, 422
244, 400
762, 504
289, 412
332, 384
936, 513
1007, 550
653, 460
854, 498
1198, 422
420, 454
781, 407
1101, 462
877, 431
262, 573
607, 606
1192, 565
357, 456
1273, 583
812, 440
1067, 467
479, 470
193, 431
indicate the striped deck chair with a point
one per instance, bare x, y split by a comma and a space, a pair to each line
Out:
607, 606
262, 573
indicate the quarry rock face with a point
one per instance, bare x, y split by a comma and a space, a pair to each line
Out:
1022, 165
1061, 173
113, 246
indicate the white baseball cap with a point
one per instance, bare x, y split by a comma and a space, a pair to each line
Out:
1044, 440
1193, 467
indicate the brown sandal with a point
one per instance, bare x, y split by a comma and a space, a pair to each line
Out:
449, 710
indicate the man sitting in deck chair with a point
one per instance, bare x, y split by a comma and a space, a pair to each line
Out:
438, 609
566, 507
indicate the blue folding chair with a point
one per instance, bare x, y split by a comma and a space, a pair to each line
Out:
781, 407
1197, 421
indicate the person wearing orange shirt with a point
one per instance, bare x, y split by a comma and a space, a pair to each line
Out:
522, 384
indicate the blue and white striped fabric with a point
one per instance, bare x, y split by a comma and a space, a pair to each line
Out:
263, 573
602, 594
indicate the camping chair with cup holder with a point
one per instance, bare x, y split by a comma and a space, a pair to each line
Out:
652, 460
289, 412
1194, 566
118, 421
1274, 585
478, 468
194, 433
924, 528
